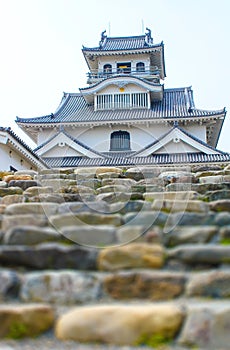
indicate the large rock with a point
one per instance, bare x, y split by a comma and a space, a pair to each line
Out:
9, 221
217, 179
57, 184
94, 236
130, 206
9, 191
9, 284
62, 287
19, 321
217, 195
121, 324
23, 184
49, 256
153, 285
89, 206
126, 233
174, 206
30, 235
225, 234
214, 284
145, 218
103, 170
32, 208
13, 198
14, 177
85, 218
134, 255
118, 181
207, 326
172, 195
220, 205
36, 191
176, 176
186, 218
198, 187
201, 254
2, 208
113, 188
114, 197
190, 234
139, 173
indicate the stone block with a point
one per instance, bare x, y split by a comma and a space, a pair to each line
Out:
172, 195
120, 324
85, 218
213, 284
10, 282
30, 235
220, 205
32, 208
190, 234
10, 191
207, 326
49, 256
9, 221
133, 255
20, 321
60, 287
13, 198
95, 236
153, 285
201, 254
23, 184
15, 177
174, 206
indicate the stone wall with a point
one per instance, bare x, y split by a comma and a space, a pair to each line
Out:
136, 256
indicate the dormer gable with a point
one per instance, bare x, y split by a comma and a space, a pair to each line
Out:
122, 93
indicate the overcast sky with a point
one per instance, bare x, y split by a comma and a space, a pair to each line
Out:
41, 43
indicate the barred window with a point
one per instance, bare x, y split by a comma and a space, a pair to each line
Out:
140, 67
120, 141
122, 101
107, 69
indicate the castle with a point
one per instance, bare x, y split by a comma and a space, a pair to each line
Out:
125, 116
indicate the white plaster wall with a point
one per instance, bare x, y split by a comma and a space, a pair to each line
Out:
46, 134
114, 89
134, 59
198, 131
64, 151
98, 138
179, 147
13, 159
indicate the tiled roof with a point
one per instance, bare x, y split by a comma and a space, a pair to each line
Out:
21, 142
123, 43
176, 103
157, 159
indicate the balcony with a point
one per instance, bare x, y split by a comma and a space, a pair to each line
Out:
151, 73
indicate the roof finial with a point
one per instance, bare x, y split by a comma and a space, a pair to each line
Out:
149, 38
103, 37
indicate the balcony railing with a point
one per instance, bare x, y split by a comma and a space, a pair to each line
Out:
152, 72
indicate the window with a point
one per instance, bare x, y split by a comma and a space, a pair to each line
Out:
124, 67
122, 101
120, 141
107, 69
105, 101
140, 67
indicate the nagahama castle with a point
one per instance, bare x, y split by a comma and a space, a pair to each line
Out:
125, 116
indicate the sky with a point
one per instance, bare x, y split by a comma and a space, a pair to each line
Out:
41, 42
